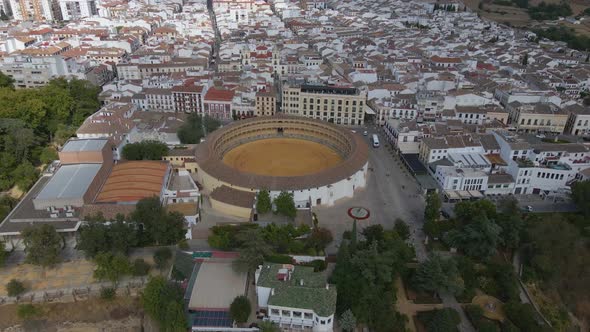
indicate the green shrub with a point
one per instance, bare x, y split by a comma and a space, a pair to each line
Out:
15, 288
140, 267
279, 259
318, 265
108, 293
28, 311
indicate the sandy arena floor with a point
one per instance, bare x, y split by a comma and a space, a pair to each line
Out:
282, 157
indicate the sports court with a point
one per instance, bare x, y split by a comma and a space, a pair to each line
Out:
282, 157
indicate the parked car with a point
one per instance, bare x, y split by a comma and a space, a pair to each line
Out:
365, 133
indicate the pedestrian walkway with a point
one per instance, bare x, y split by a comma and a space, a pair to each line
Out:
408, 307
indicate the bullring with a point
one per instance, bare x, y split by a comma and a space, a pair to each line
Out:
339, 159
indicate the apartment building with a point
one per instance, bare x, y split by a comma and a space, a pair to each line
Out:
32, 10
578, 121
77, 9
537, 117
188, 99
160, 100
34, 71
266, 102
405, 136
340, 105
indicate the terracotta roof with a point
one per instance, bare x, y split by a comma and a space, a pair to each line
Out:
133, 180
438, 59
215, 94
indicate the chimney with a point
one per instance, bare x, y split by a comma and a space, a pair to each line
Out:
327, 286
300, 282
272, 291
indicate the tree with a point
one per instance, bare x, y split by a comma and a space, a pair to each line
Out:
25, 175
162, 301
402, 229
581, 196
285, 205
48, 155
467, 211
5, 80
43, 245
522, 315
15, 288
364, 280
210, 124
160, 227
191, 131
140, 268
162, 257
478, 239
432, 209
510, 221
440, 320
28, 311
319, 239
96, 237
347, 321
439, 275
263, 203
252, 250
240, 309
111, 267
146, 150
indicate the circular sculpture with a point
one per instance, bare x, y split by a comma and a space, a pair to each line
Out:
317, 161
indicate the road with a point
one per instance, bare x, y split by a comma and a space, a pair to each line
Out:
391, 193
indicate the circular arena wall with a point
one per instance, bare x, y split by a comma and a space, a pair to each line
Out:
343, 173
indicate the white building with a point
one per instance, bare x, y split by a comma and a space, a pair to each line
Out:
461, 179
76, 9
404, 135
296, 297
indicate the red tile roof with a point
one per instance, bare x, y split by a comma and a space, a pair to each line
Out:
215, 94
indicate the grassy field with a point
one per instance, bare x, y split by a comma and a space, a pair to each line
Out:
92, 311
518, 17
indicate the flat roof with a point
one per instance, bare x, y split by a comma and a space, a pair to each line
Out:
133, 180
69, 181
78, 145
217, 285
25, 215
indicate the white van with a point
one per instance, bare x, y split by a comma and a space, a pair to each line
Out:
375, 141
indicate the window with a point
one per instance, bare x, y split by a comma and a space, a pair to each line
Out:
307, 315
297, 314
285, 313
274, 312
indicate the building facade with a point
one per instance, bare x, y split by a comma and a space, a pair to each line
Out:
338, 105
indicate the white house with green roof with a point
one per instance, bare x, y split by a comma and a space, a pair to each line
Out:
296, 297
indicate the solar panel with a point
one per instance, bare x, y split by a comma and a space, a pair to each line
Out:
212, 318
